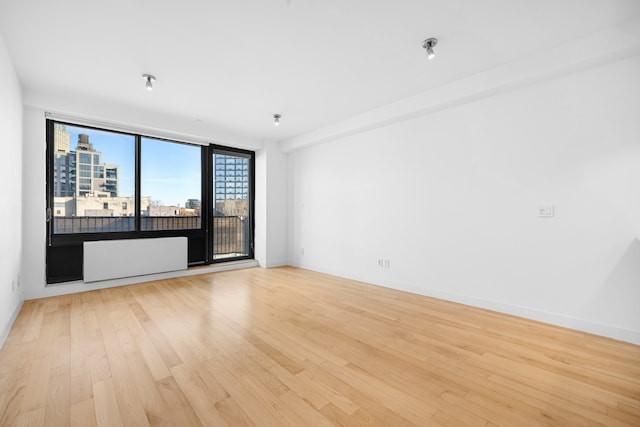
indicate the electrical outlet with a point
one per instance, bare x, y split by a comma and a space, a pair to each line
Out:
301, 251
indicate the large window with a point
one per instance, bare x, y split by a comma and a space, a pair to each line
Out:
171, 185
84, 200
104, 185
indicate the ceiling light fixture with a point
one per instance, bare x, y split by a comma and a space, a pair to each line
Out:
276, 119
149, 81
428, 44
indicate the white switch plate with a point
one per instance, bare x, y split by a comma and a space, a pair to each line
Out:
546, 211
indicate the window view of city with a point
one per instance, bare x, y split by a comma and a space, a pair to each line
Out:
171, 181
231, 225
94, 182
94, 187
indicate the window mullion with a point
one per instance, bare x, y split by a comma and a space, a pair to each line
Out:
137, 196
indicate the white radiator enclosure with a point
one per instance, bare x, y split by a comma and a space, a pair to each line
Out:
114, 259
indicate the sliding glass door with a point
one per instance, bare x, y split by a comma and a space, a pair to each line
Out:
232, 212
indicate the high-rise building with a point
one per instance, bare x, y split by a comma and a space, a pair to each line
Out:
231, 185
81, 172
64, 175
94, 177
62, 139
64, 164
112, 178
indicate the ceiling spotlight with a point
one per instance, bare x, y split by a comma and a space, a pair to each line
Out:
428, 44
276, 119
149, 81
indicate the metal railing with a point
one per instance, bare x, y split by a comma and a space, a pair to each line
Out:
231, 234
152, 223
93, 224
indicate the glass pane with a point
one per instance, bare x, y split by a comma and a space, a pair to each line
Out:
92, 203
231, 221
170, 179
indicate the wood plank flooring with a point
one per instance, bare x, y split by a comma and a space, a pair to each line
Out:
289, 347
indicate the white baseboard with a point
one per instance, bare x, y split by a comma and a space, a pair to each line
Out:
274, 264
80, 286
530, 313
7, 328
582, 325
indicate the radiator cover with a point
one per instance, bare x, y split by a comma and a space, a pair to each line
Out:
115, 259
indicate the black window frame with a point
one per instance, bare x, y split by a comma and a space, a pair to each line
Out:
68, 248
211, 200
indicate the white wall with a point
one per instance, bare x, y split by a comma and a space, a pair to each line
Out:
260, 238
34, 202
450, 198
277, 254
271, 206
11, 294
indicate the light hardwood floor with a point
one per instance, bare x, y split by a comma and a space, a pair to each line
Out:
286, 346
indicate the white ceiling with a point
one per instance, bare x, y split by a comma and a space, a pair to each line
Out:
232, 64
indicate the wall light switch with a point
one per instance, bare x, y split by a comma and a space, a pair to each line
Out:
546, 211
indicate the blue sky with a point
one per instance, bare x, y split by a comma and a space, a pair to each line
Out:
170, 172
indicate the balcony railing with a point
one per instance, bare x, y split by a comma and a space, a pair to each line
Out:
153, 223
231, 234
93, 224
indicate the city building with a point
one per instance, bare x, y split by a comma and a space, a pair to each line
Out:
94, 177
64, 172
98, 206
231, 185
192, 204
62, 139
81, 172
163, 211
